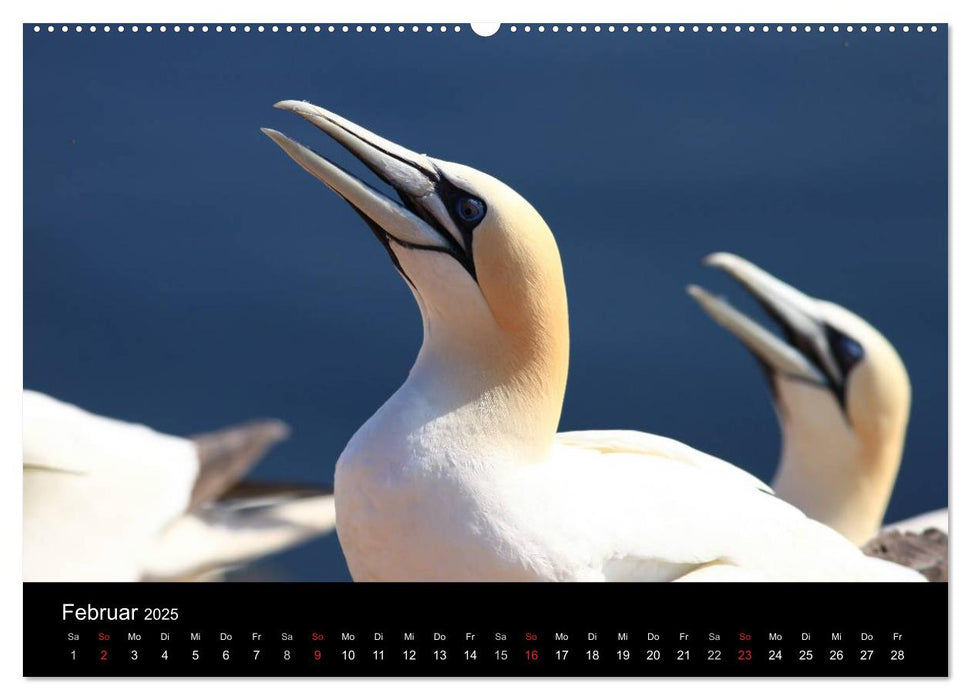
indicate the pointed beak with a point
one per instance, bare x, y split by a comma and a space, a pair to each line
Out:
804, 352
412, 175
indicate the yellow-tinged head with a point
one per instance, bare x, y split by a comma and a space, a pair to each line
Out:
480, 260
842, 395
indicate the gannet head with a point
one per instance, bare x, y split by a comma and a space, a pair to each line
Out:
841, 391
480, 261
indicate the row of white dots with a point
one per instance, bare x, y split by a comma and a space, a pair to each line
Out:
666, 28
751, 28
247, 28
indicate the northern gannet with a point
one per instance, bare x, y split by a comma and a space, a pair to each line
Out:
461, 475
106, 500
842, 396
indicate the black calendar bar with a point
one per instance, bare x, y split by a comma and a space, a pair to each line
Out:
335, 629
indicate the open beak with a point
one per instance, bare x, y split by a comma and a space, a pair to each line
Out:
412, 223
804, 352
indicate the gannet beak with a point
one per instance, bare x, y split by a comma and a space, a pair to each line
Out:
411, 224
805, 353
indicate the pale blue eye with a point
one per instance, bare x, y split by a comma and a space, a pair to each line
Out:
470, 210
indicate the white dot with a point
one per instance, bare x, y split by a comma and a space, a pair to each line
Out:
751, 29
458, 29
708, 28
934, 29
849, 28
134, 28
107, 28
528, 28
808, 28
121, 29
77, 28
877, 28
400, 28
205, 28
681, 28
835, 28
765, 28
694, 28
163, 29
176, 29
792, 28
640, 29
219, 27
232, 28
36, 28
920, 29
906, 28
428, 28
512, 28
541, 28
148, 29
724, 28
863, 28
583, 29
667, 27
555, 28
50, 29
822, 28
891, 28
569, 29
738, 28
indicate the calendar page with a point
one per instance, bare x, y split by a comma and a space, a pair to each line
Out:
485, 350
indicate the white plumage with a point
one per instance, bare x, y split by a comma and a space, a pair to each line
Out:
106, 500
461, 476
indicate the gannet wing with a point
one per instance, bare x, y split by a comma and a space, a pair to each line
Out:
636, 507
96, 490
227, 455
647, 444
250, 521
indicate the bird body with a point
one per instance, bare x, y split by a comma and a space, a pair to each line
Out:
461, 476
87, 516
106, 500
602, 506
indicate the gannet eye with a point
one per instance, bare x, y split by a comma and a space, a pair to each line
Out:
846, 351
470, 210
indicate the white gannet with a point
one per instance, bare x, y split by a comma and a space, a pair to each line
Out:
106, 500
842, 397
461, 476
